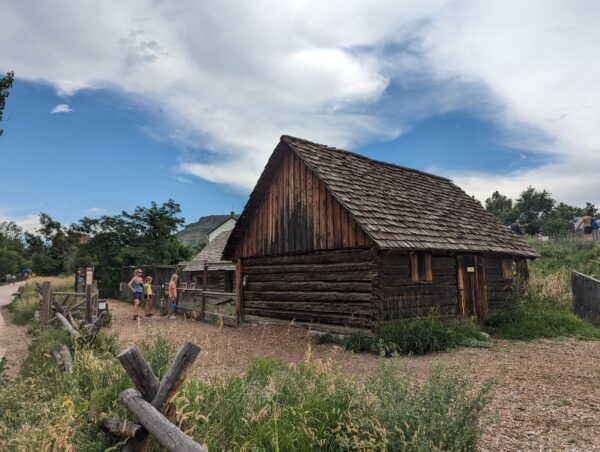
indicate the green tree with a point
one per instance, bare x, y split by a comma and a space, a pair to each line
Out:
11, 262
560, 219
532, 206
590, 209
6, 83
501, 206
11, 236
143, 237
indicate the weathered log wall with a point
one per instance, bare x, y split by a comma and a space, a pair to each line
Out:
323, 287
498, 288
298, 214
399, 296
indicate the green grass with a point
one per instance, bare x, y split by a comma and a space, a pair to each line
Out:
536, 317
417, 336
311, 407
559, 257
24, 306
544, 309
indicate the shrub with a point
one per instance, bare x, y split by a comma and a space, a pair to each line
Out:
417, 336
428, 334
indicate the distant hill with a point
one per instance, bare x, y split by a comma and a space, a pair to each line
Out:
194, 232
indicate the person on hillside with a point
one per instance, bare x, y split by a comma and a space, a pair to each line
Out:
586, 222
172, 296
148, 296
136, 286
516, 228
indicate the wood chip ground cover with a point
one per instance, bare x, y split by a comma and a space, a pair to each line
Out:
547, 395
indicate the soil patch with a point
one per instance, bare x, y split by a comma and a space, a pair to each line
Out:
14, 340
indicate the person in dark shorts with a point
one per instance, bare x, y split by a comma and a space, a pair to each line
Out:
586, 222
136, 285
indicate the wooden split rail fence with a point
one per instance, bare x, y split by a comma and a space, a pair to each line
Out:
152, 403
64, 308
586, 296
196, 300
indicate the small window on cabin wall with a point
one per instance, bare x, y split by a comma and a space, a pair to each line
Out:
507, 270
420, 267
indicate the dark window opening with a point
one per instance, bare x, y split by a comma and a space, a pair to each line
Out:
420, 267
507, 267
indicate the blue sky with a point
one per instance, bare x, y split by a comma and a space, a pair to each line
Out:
157, 100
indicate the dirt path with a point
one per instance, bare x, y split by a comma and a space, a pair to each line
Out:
14, 339
547, 395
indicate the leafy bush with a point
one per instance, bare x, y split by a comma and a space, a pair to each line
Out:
428, 334
417, 336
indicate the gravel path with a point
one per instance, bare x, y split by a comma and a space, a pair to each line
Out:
546, 396
14, 339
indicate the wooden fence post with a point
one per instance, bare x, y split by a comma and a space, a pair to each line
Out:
47, 296
158, 394
166, 433
204, 287
88, 303
95, 298
239, 291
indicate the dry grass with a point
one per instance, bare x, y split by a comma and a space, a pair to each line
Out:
56, 281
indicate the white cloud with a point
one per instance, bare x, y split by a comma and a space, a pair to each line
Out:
95, 211
29, 223
229, 78
61, 108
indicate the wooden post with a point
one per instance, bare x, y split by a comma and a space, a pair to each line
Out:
120, 427
88, 303
168, 387
46, 303
140, 372
239, 291
175, 375
72, 331
204, 287
165, 432
95, 298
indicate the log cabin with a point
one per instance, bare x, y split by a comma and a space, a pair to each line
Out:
332, 237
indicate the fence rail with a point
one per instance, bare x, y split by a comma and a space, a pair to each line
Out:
586, 297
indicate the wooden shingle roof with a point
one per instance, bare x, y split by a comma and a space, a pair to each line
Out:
403, 208
212, 254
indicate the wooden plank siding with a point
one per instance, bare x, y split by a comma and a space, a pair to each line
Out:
297, 213
400, 296
323, 287
586, 297
498, 288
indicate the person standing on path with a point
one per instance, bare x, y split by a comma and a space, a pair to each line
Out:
136, 285
148, 296
172, 296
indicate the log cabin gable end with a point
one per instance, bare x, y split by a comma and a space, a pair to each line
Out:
293, 211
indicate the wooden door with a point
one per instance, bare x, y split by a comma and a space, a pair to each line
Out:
472, 294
